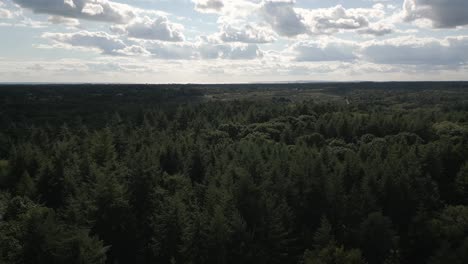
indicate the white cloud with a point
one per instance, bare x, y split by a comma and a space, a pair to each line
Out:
431, 53
235, 13
337, 19
233, 52
247, 34
230, 52
98, 10
450, 51
377, 30
331, 20
203, 49
133, 50
70, 3
70, 22
156, 29
4, 13
237, 21
100, 41
325, 50
92, 9
442, 14
208, 6
282, 17
172, 51
286, 20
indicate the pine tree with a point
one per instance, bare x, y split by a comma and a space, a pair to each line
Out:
377, 238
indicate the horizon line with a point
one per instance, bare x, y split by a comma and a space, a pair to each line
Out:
240, 83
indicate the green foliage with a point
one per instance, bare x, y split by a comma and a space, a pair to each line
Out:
377, 238
33, 234
334, 255
451, 231
143, 175
461, 184
323, 236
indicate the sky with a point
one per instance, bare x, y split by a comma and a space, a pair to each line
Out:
232, 41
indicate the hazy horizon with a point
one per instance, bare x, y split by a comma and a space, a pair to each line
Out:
226, 83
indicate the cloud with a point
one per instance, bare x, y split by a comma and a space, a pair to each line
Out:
429, 53
70, 22
338, 19
208, 6
98, 10
112, 45
133, 50
286, 20
450, 51
100, 41
13, 14
5, 13
155, 29
203, 49
442, 14
172, 51
282, 17
331, 20
92, 9
36, 67
238, 12
246, 34
377, 30
325, 50
230, 52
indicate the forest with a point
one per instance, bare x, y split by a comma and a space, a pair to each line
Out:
318, 173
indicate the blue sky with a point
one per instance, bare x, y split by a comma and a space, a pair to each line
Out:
221, 41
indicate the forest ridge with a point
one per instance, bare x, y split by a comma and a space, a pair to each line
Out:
333, 173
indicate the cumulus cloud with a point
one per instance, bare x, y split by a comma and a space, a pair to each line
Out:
172, 51
245, 52
418, 51
239, 11
443, 14
70, 22
228, 51
101, 41
325, 50
98, 10
92, 9
208, 6
282, 17
430, 53
286, 20
4, 13
108, 44
204, 49
246, 34
377, 30
244, 24
156, 29
330, 20
133, 50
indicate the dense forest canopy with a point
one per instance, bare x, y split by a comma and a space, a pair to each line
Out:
354, 173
